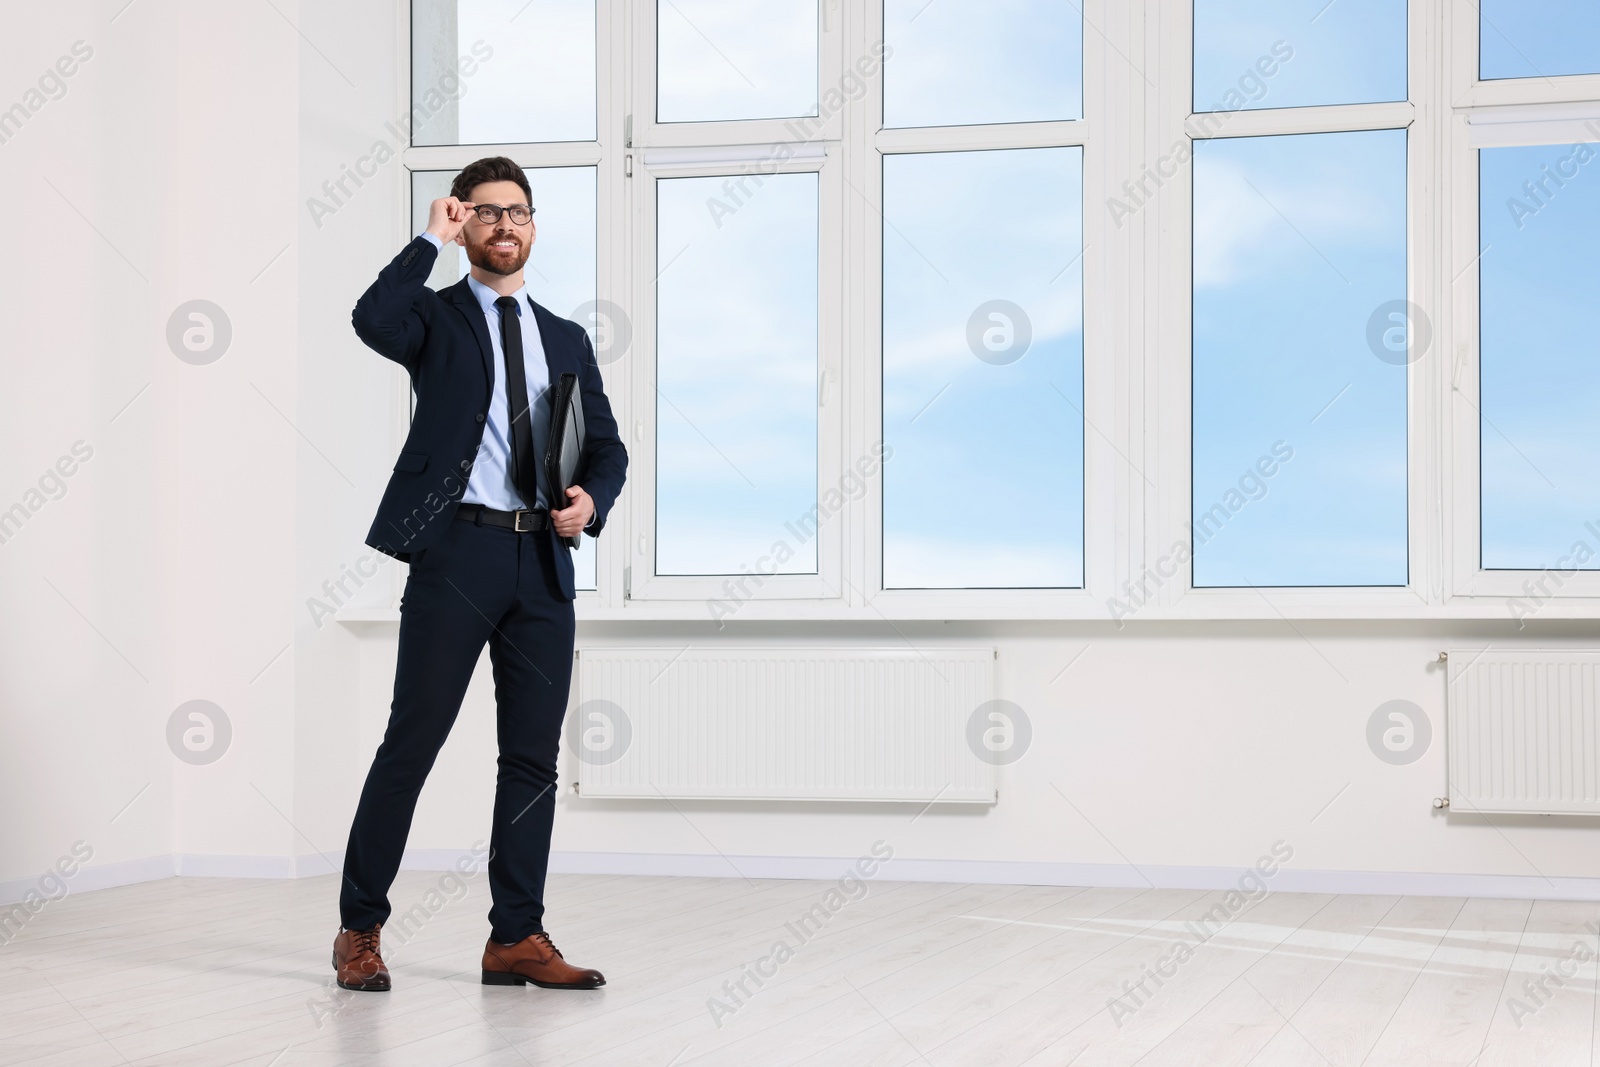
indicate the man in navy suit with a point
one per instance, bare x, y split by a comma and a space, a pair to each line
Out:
468, 507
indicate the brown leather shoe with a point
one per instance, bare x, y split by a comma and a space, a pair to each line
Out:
534, 959
357, 962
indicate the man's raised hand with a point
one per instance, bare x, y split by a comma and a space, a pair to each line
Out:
446, 216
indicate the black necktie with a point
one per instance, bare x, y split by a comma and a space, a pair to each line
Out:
523, 472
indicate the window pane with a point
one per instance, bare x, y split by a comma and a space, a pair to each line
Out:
560, 273
736, 378
502, 71
1251, 54
1548, 39
1300, 418
722, 59
983, 369
961, 62
1540, 375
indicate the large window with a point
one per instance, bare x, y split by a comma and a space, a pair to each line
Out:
982, 297
494, 71
1525, 223
1299, 246
1172, 308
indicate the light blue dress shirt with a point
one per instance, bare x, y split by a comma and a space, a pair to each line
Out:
490, 483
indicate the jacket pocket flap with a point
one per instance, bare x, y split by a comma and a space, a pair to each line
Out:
411, 462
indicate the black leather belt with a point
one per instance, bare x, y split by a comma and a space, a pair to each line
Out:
528, 520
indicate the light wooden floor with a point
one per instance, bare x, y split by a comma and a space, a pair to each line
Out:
213, 972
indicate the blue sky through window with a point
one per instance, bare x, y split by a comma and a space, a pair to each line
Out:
1254, 54
1540, 379
983, 486
718, 60
736, 374
1548, 39
1299, 242
957, 62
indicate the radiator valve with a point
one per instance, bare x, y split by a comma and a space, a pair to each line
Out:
1441, 802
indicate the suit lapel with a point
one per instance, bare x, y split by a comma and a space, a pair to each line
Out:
551, 338
460, 294
556, 356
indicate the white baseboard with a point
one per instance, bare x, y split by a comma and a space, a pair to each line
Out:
212, 866
1000, 872
86, 879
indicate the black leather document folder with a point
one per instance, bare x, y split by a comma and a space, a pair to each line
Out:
563, 453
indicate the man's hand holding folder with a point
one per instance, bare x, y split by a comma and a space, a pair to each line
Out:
571, 519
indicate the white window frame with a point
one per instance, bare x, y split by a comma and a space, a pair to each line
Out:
604, 156
1491, 114
661, 151
1169, 272
730, 593
1137, 301
1105, 475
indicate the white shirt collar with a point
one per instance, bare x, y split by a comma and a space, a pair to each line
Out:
487, 296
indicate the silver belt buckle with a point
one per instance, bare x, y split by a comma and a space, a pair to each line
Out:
516, 518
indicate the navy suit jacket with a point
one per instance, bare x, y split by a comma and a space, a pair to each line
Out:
442, 341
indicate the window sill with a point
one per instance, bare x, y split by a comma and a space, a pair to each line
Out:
1294, 605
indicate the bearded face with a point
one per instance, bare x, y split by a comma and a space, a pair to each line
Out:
500, 247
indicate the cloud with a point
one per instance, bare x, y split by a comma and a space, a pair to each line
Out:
1260, 200
1232, 223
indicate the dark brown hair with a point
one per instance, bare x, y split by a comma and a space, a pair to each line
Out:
489, 169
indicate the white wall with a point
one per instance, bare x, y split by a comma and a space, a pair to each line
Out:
1165, 746
160, 176
179, 561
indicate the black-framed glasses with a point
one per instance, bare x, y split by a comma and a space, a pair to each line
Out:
489, 214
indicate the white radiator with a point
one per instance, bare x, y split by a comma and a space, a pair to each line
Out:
798, 724
1523, 730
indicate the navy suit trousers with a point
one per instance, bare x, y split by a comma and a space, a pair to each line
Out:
476, 585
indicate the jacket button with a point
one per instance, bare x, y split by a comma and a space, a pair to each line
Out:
480, 416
